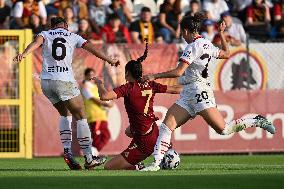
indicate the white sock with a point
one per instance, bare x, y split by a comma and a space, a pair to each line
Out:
95, 151
84, 138
65, 131
162, 144
238, 125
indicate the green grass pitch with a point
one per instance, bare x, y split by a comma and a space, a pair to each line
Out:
224, 171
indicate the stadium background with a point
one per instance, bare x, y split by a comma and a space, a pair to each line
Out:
29, 124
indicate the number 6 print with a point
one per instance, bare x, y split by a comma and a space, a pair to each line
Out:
58, 43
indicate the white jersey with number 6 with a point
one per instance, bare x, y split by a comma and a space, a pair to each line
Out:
57, 52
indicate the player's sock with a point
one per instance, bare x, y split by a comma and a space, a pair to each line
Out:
162, 144
84, 138
238, 125
95, 151
65, 131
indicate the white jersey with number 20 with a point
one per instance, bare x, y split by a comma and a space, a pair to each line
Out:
197, 94
57, 52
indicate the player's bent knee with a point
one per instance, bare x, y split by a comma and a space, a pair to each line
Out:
108, 166
78, 113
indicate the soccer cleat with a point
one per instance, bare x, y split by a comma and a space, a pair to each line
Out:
71, 162
152, 167
97, 161
139, 166
263, 123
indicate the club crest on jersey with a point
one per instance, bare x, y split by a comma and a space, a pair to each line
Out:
57, 69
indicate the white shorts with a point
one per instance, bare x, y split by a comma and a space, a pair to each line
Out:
56, 90
196, 97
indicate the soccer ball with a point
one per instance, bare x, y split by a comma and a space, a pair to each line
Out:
171, 160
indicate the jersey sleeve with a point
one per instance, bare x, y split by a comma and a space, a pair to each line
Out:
86, 91
80, 41
189, 54
122, 90
41, 34
87, 94
159, 88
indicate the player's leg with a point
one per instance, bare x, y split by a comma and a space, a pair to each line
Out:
95, 137
104, 134
65, 122
175, 117
129, 159
65, 131
76, 106
118, 162
214, 118
100, 134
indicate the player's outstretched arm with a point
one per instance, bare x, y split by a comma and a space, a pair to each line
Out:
104, 94
177, 72
86, 92
175, 89
91, 48
225, 52
38, 41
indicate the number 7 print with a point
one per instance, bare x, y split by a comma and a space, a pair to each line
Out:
149, 94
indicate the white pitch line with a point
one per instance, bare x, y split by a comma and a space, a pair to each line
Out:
236, 164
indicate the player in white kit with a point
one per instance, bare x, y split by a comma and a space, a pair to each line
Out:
60, 87
197, 97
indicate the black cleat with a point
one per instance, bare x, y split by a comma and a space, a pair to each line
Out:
140, 166
263, 123
71, 162
97, 161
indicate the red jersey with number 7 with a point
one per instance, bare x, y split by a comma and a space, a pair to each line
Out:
138, 102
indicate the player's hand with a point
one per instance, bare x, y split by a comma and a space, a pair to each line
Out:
18, 58
149, 77
222, 27
97, 80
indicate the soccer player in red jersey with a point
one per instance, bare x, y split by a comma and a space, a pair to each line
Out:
138, 101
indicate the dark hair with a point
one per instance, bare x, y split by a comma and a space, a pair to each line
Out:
145, 9
193, 23
194, 1
88, 71
135, 66
167, 7
113, 16
57, 20
254, 2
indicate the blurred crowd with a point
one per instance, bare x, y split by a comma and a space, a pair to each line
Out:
132, 21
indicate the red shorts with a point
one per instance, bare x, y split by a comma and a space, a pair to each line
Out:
141, 146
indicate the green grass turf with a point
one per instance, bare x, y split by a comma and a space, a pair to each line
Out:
238, 171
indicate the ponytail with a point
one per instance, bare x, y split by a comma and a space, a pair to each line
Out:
135, 66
